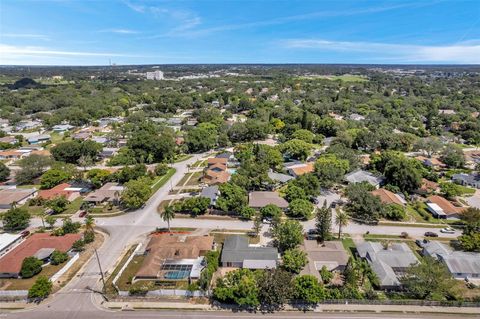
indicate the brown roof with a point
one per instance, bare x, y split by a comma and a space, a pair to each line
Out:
262, 199
41, 152
428, 186
12, 261
331, 254
172, 247
11, 153
303, 169
107, 192
215, 160
387, 197
433, 160
447, 207
216, 172
56, 191
9, 196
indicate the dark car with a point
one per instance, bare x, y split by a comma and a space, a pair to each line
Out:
82, 214
431, 234
25, 233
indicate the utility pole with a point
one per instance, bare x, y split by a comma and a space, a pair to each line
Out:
101, 272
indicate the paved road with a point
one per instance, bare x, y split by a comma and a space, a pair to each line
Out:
95, 314
76, 301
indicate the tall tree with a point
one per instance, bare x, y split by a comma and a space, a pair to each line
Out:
341, 220
323, 222
167, 215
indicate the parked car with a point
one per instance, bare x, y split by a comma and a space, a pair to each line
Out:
421, 242
447, 230
25, 233
431, 234
82, 213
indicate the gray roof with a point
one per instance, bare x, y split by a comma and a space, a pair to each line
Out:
467, 178
457, 262
44, 253
236, 249
385, 261
282, 178
262, 199
359, 176
210, 192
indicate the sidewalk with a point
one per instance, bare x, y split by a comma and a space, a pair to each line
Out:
158, 305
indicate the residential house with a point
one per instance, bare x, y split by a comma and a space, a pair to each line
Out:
61, 128
216, 171
427, 187
65, 189
38, 243
8, 241
388, 263
8, 140
38, 139
472, 180
279, 178
360, 176
387, 197
172, 257
108, 152
12, 155
443, 208
432, 162
110, 192
238, 253
212, 193
81, 136
330, 254
16, 196
100, 139
300, 169
261, 199
462, 265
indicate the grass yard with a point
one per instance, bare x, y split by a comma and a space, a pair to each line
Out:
125, 280
381, 236
74, 206
161, 180
219, 237
25, 284
194, 179
110, 289
349, 245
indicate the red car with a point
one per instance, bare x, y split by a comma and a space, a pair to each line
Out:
82, 214
25, 233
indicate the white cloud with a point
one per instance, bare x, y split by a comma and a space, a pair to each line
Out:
26, 35
465, 52
7, 50
120, 31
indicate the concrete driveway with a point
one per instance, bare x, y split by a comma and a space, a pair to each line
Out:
474, 200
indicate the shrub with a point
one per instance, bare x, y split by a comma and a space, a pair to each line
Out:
78, 245
88, 236
58, 257
30, 267
41, 288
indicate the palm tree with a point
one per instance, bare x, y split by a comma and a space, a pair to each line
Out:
89, 222
341, 221
167, 215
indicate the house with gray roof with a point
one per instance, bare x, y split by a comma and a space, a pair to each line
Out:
279, 177
261, 199
472, 180
212, 193
238, 253
462, 265
359, 176
389, 263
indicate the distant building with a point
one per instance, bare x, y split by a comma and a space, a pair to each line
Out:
38, 139
110, 192
216, 171
300, 169
387, 197
212, 193
155, 75
472, 180
7, 241
62, 128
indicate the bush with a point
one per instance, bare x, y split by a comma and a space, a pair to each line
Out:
58, 257
88, 236
41, 288
270, 211
212, 259
78, 245
30, 267
300, 208
70, 227
161, 169
247, 212
294, 260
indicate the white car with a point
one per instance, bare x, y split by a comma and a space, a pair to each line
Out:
447, 230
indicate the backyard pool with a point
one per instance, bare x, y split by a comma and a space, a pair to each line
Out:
176, 274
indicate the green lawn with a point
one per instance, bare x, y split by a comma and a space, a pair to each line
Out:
349, 245
25, 284
161, 180
74, 206
183, 157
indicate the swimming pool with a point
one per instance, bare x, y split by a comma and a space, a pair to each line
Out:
176, 274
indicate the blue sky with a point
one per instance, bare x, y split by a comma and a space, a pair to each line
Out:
89, 32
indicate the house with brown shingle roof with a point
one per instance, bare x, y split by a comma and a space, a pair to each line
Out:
173, 257
387, 197
301, 169
427, 187
216, 171
11, 263
432, 162
18, 196
443, 208
63, 189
